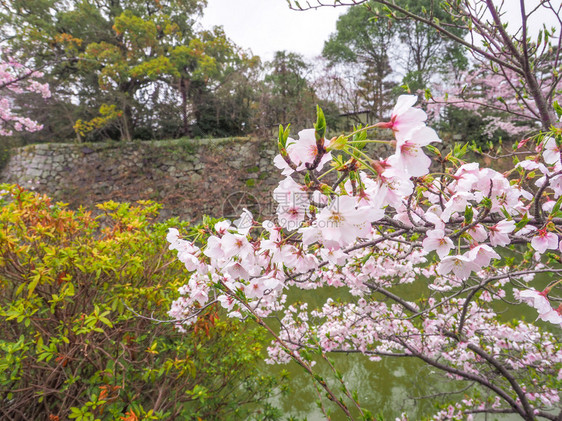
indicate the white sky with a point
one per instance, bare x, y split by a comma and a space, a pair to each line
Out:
266, 26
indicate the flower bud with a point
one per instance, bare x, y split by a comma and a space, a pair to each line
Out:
337, 143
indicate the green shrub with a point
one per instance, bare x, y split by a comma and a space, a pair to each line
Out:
70, 345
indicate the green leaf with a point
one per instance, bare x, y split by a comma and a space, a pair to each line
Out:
468, 215
75, 413
338, 144
69, 290
282, 140
459, 151
286, 132
521, 224
20, 289
486, 202
33, 284
320, 126
557, 108
505, 213
106, 321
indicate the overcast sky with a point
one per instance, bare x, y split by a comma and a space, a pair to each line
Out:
266, 26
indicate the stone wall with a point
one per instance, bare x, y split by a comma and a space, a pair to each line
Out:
189, 177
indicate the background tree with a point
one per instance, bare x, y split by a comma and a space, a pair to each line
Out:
290, 89
492, 44
365, 47
208, 70
228, 106
131, 69
102, 53
381, 47
428, 53
289, 93
17, 78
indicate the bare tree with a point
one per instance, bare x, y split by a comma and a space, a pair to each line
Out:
490, 42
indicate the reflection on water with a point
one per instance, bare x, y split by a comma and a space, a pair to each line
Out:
386, 387
389, 387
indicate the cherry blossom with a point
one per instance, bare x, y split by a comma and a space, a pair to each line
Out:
405, 117
15, 79
369, 231
551, 151
499, 233
409, 153
436, 240
342, 222
301, 151
552, 316
460, 265
544, 240
536, 299
482, 255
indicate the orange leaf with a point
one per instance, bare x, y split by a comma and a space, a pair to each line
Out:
130, 416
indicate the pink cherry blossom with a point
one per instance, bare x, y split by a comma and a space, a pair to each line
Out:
499, 233
529, 165
536, 299
478, 233
552, 316
235, 245
304, 150
221, 227
214, 248
551, 151
482, 254
237, 270
460, 265
342, 222
15, 79
457, 203
404, 117
409, 156
227, 301
336, 257
280, 163
436, 240
544, 240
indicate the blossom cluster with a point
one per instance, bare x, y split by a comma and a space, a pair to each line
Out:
386, 222
499, 94
16, 78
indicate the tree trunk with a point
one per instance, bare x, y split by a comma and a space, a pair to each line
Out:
126, 122
184, 87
